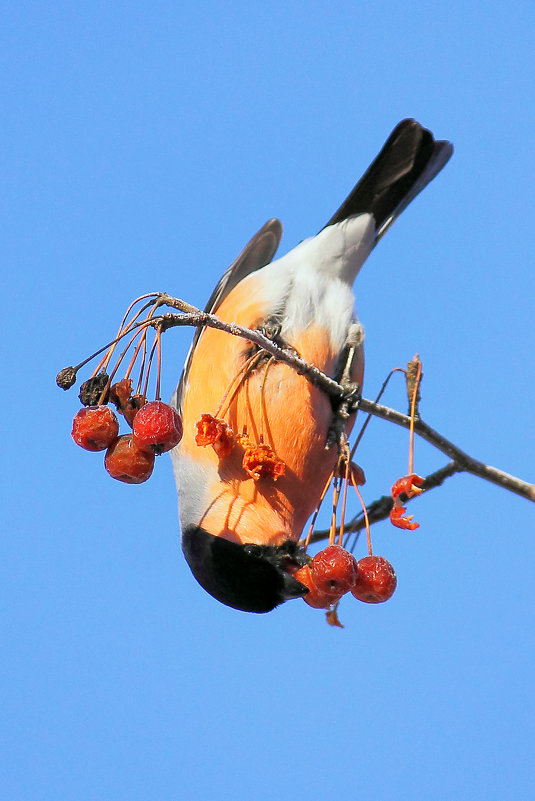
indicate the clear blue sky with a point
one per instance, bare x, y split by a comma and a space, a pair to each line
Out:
142, 144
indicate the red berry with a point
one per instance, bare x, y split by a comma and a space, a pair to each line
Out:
95, 427
376, 580
157, 426
334, 570
127, 462
314, 597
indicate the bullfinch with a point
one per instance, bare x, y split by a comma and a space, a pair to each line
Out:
243, 505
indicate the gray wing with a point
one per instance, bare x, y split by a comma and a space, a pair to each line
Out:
258, 252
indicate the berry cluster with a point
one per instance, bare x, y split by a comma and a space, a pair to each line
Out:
334, 571
156, 426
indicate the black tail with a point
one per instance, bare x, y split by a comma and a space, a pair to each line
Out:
410, 158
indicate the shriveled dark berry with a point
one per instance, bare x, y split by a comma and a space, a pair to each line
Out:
66, 378
92, 389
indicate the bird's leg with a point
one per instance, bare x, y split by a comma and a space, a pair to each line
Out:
354, 341
348, 403
271, 328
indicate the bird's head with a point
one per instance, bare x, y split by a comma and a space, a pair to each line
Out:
252, 578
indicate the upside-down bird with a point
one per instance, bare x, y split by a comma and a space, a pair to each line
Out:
241, 517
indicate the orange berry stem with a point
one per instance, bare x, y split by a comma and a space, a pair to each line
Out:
142, 329
159, 349
227, 398
124, 328
366, 519
413, 412
142, 365
265, 421
149, 365
146, 306
142, 342
103, 349
316, 512
344, 498
336, 495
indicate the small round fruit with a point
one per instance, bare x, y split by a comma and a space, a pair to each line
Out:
95, 428
334, 570
376, 580
127, 462
157, 426
314, 597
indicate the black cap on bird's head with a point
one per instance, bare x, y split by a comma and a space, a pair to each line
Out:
252, 578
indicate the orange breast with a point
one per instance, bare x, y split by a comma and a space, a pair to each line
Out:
275, 405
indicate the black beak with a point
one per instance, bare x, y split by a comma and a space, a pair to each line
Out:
291, 587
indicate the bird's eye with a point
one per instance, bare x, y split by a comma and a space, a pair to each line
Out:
252, 550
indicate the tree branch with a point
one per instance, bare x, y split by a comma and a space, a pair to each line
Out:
190, 315
348, 397
463, 461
